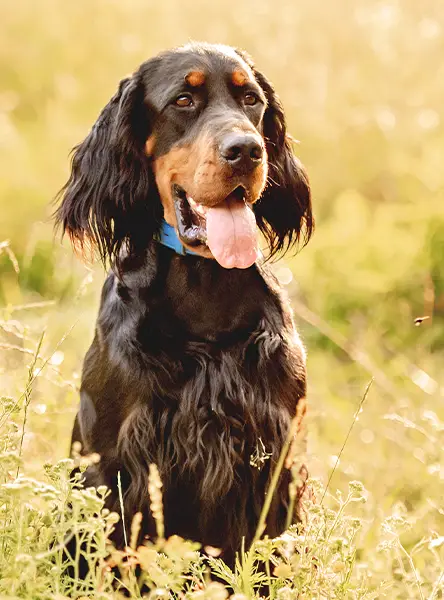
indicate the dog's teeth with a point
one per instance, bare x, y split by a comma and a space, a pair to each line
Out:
198, 208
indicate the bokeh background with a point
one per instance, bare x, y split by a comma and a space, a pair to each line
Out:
362, 83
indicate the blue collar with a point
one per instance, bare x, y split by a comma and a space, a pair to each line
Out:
168, 237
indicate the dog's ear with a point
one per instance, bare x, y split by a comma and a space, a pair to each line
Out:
283, 213
108, 200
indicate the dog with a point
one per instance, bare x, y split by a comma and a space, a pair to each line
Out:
196, 365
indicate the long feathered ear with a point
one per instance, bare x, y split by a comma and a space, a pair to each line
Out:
283, 213
105, 203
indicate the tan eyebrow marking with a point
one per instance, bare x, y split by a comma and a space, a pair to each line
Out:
239, 78
195, 78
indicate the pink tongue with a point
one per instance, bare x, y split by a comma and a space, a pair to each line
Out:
231, 234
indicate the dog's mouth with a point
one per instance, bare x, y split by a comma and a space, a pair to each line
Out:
228, 229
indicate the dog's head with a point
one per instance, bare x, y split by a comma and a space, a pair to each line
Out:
197, 136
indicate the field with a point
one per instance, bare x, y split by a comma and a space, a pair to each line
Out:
362, 83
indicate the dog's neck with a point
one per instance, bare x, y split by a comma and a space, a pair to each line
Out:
168, 237
194, 295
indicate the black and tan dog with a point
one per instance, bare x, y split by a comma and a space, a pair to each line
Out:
195, 363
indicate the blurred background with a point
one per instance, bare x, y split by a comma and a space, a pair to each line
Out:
362, 82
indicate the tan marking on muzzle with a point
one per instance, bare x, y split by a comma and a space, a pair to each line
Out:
195, 78
178, 167
198, 169
149, 145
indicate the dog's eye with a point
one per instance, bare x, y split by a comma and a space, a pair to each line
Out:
250, 99
184, 101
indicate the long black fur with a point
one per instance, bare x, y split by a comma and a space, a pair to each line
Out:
283, 213
192, 366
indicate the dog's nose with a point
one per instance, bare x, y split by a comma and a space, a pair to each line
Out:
241, 150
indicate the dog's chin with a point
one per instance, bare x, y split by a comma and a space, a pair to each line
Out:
226, 232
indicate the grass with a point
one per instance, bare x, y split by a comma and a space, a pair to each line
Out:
342, 550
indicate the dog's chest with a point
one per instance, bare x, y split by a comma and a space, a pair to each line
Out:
213, 373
